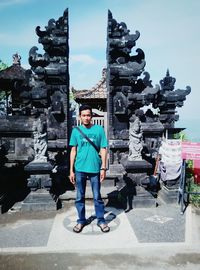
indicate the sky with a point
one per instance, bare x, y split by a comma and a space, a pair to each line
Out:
169, 37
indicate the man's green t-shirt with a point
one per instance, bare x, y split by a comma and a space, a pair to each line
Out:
87, 158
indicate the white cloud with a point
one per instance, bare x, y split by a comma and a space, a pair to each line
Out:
10, 40
83, 59
85, 71
23, 38
5, 3
88, 32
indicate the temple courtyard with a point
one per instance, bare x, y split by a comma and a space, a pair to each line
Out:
143, 238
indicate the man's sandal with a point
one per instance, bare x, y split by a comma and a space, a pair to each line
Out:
78, 228
104, 227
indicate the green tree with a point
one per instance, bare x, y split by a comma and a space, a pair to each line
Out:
181, 135
2, 67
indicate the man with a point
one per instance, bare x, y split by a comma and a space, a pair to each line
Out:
87, 163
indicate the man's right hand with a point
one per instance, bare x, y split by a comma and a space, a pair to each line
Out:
72, 178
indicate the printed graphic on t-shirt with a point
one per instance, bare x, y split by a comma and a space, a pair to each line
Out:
85, 142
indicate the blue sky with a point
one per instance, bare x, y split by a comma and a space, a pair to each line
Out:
169, 36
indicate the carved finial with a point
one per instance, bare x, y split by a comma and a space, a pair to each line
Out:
168, 82
109, 15
66, 12
16, 59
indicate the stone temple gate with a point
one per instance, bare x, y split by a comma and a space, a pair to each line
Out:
134, 133
36, 125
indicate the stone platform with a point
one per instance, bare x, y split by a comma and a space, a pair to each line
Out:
144, 238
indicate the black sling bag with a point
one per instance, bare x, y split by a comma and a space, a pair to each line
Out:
86, 137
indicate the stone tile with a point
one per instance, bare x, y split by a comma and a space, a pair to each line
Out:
25, 233
161, 224
121, 234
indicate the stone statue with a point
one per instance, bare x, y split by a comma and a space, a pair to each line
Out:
135, 139
119, 104
40, 142
16, 59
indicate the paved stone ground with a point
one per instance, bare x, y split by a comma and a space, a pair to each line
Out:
143, 238
155, 225
25, 229
74, 261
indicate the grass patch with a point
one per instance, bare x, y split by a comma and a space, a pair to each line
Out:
194, 199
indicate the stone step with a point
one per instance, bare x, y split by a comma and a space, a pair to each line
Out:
169, 196
105, 192
142, 198
41, 200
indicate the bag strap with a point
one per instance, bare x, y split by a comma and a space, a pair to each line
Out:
86, 137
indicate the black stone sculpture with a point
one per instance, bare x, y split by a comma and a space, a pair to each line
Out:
38, 124
126, 92
168, 99
50, 99
135, 134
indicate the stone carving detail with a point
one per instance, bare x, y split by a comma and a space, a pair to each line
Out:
39, 119
135, 131
126, 91
168, 99
49, 82
40, 141
120, 104
135, 139
16, 59
50, 78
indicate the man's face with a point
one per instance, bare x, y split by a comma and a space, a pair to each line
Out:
85, 117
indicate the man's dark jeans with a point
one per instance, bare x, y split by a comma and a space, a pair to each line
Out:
81, 179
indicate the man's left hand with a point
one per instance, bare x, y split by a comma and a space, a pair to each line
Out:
102, 175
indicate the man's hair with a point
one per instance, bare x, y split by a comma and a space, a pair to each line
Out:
85, 107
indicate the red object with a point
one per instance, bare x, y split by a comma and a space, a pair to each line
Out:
196, 164
191, 150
